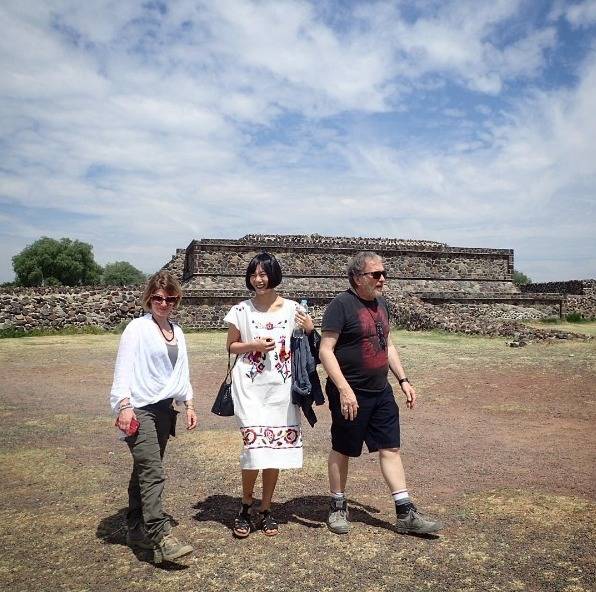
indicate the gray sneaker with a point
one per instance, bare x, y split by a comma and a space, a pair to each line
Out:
337, 521
170, 548
415, 523
136, 538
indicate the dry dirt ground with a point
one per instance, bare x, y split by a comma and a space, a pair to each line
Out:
500, 448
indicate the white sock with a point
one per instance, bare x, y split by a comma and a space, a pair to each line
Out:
338, 495
401, 497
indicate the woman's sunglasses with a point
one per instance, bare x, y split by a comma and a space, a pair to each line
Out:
169, 300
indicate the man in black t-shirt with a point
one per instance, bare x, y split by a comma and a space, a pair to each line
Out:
357, 352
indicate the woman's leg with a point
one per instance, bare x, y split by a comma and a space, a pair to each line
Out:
266, 521
134, 516
242, 522
249, 478
269, 482
147, 448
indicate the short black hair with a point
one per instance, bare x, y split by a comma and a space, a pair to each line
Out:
269, 265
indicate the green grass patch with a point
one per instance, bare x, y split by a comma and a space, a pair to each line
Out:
575, 317
16, 332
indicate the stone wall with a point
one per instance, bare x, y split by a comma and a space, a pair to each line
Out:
583, 305
581, 295
315, 262
549, 304
176, 264
59, 307
499, 320
467, 280
577, 287
309, 286
206, 310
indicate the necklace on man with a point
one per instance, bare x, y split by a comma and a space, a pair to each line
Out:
162, 331
377, 324
378, 327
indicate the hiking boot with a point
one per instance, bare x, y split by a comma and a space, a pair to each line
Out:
413, 522
337, 521
136, 538
170, 548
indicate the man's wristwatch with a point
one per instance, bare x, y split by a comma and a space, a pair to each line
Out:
402, 380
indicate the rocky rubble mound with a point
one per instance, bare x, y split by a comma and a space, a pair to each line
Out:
412, 314
498, 311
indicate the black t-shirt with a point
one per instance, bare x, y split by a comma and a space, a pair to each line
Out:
359, 350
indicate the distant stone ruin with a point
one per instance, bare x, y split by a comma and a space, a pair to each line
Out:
314, 267
430, 285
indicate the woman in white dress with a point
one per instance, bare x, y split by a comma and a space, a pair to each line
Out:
259, 333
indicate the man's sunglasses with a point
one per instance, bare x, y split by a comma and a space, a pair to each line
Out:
376, 274
169, 300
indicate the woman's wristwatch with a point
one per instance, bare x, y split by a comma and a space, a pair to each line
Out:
402, 380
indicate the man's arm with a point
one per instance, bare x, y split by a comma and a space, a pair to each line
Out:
347, 398
399, 373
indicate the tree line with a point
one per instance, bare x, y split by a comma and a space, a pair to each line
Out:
67, 262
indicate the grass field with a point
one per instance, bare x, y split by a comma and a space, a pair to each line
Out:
501, 448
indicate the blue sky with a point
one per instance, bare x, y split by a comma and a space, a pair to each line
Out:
139, 126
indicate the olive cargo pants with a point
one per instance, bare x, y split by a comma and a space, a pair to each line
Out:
157, 423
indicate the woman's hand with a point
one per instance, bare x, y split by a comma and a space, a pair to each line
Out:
264, 344
304, 321
191, 418
124, 418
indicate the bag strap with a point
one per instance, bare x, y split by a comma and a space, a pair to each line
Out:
230, 368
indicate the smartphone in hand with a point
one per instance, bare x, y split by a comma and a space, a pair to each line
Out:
133, 428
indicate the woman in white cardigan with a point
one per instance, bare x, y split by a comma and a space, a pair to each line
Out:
151, 373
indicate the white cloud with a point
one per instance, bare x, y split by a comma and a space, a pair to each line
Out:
582, 14
217, 119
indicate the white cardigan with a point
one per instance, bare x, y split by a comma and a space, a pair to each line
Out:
144, 372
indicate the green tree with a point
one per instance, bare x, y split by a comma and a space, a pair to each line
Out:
520, 278
121, 273
49, 262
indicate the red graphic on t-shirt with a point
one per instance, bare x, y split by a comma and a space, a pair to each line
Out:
373, 354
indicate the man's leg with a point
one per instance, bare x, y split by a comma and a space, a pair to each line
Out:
337, 465
392, 469
409, 520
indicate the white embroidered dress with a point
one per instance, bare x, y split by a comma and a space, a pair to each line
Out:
261, 388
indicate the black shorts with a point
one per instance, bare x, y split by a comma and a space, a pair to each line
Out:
376, 423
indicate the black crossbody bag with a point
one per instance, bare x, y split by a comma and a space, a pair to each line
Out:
224, 404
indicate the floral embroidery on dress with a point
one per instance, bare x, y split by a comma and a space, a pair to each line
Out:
269, 325
277, 438
257, 363
283, 360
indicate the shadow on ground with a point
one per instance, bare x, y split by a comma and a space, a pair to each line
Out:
309, 511
111, 530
